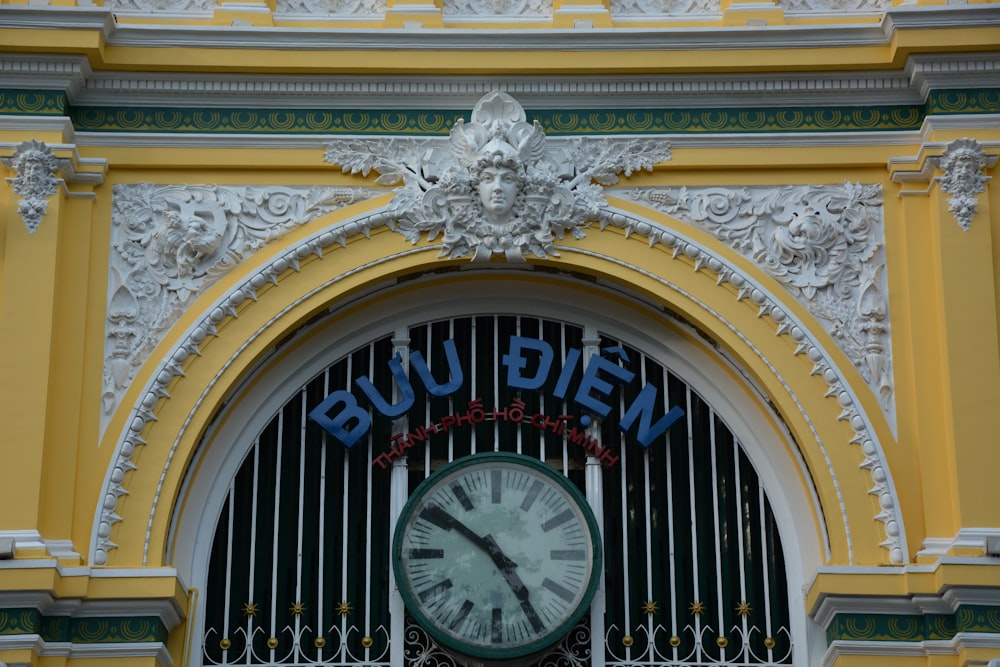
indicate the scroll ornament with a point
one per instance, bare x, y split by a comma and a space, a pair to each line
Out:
170, 242
823, 243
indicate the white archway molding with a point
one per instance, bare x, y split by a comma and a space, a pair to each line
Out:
741, 406
720, 270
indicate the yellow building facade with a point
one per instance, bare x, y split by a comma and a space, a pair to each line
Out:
729, 269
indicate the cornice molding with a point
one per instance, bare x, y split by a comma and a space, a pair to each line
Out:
723, 91
456, 38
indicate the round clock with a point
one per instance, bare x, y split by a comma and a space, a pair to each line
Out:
497, 556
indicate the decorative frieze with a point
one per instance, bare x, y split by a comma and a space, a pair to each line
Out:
338, 8
497, 187
823, 243
542, 9
637, 8
169, 242
483, 9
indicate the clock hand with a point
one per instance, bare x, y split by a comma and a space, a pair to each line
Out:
507, 568
439, 517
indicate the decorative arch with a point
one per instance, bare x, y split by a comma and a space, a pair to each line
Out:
803, 382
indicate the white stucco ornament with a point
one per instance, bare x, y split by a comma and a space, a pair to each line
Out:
496, 187
964, 179
35, 166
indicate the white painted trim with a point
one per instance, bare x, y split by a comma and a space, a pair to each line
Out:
954, 646
965, 538
42, 648
597, 39
32, 539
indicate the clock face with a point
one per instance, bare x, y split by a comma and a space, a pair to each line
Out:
497, 555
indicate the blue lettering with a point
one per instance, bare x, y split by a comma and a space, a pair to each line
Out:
642, 409
515, 362
592, 382
566, 374
338, 426
405, 389
454, 370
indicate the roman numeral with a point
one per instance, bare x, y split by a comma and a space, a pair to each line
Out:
563, 592
496, 481
531, 496
462, 613
434, 591
462, 497
496, 627
557, 520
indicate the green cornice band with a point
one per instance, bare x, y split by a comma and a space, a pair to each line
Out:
913, 627
554, 122
33, 102
82, 630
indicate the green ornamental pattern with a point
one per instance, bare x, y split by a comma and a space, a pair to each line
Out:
554, 122
33, 102
82, 630
913, 627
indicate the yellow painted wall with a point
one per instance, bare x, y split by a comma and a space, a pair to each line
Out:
944, 292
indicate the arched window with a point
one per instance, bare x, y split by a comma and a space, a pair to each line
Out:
693, 570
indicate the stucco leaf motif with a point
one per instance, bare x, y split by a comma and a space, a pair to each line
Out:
498, 186
964, 163
170, 242
822, 242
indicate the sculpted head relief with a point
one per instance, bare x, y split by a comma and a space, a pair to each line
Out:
35, 181
963, 163
498, 187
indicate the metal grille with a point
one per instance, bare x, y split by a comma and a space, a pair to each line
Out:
299, 571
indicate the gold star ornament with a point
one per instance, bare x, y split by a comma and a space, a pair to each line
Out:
649, 607
743, 608
250, 609
297, 609
697, 608
344, 608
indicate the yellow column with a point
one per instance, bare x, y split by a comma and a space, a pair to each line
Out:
971, 353
946, 335
27, 323
43, 322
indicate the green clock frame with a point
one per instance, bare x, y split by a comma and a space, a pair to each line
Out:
491, 555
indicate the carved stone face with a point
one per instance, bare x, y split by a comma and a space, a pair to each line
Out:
498, 192
34, 169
